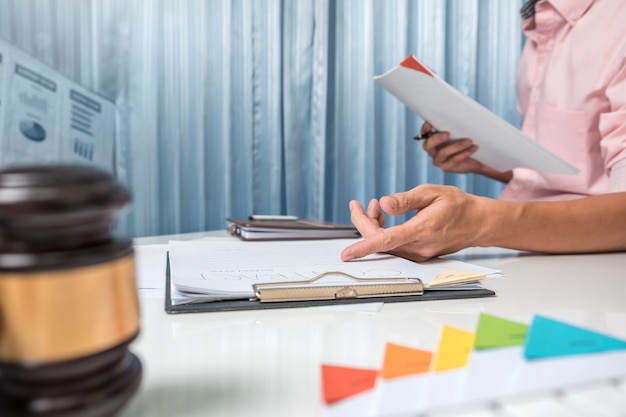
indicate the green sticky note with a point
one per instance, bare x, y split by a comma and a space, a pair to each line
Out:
495, 332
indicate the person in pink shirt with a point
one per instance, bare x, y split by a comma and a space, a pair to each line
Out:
571, 89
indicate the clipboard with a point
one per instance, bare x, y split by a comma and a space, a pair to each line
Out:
257, 304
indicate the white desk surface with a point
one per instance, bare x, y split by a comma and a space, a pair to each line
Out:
267, 362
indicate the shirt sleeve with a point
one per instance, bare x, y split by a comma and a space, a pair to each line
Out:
613, 129
617, 177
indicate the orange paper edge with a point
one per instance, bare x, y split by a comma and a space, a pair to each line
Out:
411, 62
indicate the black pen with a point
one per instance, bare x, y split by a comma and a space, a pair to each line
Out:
425, 135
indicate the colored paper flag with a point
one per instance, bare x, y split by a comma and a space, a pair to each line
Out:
451, 277
402, 360
548, 338
495, 332
454, 349
340, 382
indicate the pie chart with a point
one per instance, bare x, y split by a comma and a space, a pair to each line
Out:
32, 130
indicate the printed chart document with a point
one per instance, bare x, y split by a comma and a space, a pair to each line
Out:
47, 118
500, 144
206, 270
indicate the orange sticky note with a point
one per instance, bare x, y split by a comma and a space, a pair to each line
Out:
339, 382
454, 349
403, 360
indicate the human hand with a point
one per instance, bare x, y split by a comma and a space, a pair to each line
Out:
456, 155
374, 214
451, 156
447, 220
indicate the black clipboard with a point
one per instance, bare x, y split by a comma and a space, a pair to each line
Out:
245, 304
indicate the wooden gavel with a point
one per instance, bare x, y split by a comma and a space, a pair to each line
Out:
68, 298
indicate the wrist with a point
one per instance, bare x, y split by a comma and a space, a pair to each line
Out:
500, 221
502, 176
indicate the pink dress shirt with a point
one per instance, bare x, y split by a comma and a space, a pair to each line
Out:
571, 88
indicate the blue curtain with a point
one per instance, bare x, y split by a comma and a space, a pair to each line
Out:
233, 107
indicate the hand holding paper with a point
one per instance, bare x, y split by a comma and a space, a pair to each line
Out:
500, 145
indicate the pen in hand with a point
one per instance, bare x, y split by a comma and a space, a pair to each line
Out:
425, 135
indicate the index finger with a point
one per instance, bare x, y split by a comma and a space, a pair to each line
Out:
385, 240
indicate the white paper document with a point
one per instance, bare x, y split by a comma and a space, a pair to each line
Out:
205, 270
500, 144
150, 264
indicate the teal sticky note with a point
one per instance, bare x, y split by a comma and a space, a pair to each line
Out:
496, 332
548, 338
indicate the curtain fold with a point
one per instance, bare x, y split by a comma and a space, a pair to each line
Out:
233, 107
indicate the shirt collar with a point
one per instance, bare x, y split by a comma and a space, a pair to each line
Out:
571, 10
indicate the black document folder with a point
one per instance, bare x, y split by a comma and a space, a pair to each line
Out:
245, 304
247, 229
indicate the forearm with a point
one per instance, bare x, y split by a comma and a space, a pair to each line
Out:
590, 224
503, 177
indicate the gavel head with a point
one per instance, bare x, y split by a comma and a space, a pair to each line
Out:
68, 298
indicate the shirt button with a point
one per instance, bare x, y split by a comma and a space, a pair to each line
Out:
535, 94
515, 186
573, 15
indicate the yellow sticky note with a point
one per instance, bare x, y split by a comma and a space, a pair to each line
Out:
451, 276
454, 349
